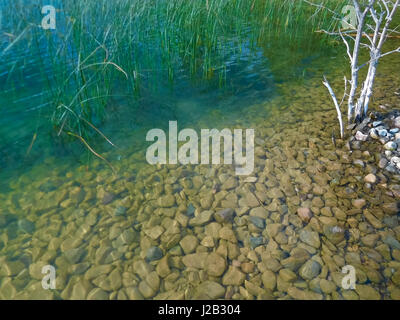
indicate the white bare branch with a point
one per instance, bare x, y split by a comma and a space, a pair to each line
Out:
339, 113
380, 13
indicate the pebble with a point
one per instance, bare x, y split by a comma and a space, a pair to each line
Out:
120, 211
209, 290
390, 146
299, 294
370, 178
26, 226
376, 123
97, 294
367, 292
358, 203
382, 163
190, 210
382, 133
224, 215
74, 255
166, 201
108, 198
215, 265
360, 136
227, 233
201, 219
334, 233
154, 253
310, 270
233, 277
392, 242
374, 134
256, 242
258, 222
327, 286
397, 122
287, 275
189, 244
310, 237
269, 280
305, 214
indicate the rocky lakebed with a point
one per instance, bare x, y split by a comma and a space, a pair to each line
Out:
201, 232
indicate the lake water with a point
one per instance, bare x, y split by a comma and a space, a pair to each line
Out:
197, 231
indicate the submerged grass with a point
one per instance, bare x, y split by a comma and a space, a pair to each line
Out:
117, 49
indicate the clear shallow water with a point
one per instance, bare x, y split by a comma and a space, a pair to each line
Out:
60, 207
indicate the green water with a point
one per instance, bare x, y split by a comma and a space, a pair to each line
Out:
62, 206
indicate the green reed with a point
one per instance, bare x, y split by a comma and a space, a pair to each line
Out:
104, 50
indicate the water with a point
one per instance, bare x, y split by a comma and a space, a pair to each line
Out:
104, 232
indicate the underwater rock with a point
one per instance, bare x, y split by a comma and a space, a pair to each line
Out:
215, 265
299, 294
154, 253
224, 215
310, 270
305, 214
258, 222
209, 290
189, 244
166, 201
391, 146
360, 136
233, 277
201, 219
374, 134
358, 203
120, 211
256, 242
227, 234
370, 178
334, 233
190, 210
26, 226
310, 237
367, 293
107, 198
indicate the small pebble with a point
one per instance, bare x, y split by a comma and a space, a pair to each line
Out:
376, 123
